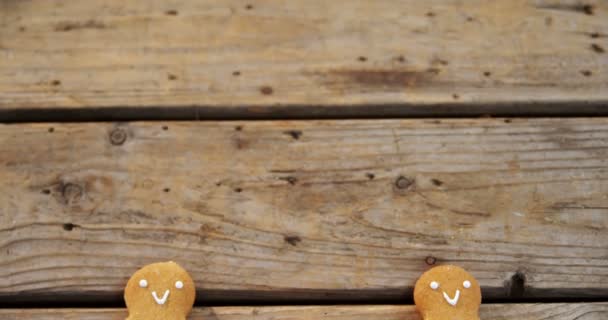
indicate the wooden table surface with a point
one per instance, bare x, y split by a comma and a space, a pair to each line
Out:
317, 155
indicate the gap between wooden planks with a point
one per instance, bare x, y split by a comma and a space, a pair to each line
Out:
297, 210
346, 58
566, 311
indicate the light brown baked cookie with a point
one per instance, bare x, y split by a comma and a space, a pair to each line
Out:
160, 291
447, 292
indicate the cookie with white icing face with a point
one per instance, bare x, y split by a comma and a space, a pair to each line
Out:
160, 291
447, 292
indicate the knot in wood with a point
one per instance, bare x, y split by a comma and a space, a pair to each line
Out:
118, 136
403, 183
72, 192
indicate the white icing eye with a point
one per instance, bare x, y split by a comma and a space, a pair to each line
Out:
143, 283
179, 284
467, 284
434, 285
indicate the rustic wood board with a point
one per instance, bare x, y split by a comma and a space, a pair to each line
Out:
306, 57
564, 311
305, 209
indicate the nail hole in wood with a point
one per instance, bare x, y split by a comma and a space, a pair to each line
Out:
430, 260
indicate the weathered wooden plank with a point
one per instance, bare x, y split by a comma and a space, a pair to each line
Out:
563, 311
340, 57
305, 209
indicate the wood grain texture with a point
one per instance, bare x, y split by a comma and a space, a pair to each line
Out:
305, 209
570, 311
277, 56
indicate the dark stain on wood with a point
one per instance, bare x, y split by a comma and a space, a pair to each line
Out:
516, 285
597, 48
577, 7
292, 240
266, 90
295, 134
437, 182
379, 78
438, 61
69, 226
291, 180
240, 143
70, 25
596, 35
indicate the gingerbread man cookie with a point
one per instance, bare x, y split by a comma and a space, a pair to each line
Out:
447, 292
160, 291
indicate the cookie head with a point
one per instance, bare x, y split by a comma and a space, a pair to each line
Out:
160, 291
447, 292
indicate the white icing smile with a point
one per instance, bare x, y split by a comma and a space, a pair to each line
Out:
162, 300
451, 301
